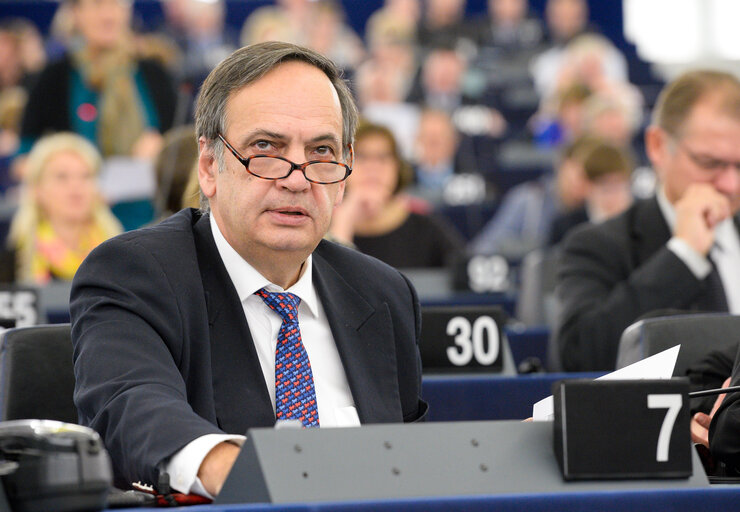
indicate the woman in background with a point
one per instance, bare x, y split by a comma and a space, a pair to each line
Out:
100, 89
375, 216
61, 216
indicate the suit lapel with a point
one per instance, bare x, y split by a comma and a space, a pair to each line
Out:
365, 341
650, 230
240, 393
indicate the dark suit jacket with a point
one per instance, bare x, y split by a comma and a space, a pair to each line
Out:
724, 431
163, 352
612, 273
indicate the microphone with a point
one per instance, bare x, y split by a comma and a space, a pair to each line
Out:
710, 392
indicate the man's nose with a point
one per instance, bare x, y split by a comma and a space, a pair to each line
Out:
728, 181
295, 181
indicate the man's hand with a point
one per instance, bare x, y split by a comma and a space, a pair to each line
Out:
700, 422
697, 213
216, 466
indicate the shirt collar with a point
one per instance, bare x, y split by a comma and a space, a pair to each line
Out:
248, 280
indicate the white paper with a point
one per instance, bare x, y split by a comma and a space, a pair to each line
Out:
658, 366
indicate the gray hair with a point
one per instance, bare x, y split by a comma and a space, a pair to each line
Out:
247, 65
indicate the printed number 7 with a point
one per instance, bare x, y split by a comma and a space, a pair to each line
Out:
673, 403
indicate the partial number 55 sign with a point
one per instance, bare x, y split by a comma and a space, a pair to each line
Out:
19, 307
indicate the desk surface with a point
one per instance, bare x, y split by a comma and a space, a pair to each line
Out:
475, 397
713, 499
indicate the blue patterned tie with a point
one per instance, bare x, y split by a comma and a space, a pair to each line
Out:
295, 396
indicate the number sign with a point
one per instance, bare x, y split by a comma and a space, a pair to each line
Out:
622, 429
19, 307
462, 337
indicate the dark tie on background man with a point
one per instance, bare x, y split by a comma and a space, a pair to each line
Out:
714, 298
295, 396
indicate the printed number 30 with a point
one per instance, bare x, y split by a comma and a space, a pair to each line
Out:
470, 341
673, 404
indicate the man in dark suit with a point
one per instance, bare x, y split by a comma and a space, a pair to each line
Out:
678, 250
185, 334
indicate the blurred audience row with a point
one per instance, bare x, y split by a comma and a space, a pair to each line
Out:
532, 113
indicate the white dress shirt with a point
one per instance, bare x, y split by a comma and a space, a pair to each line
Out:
335, 405
725, 253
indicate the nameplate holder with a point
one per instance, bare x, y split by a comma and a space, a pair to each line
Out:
19, 307
622, 429
465, 339
489, 273
394, 461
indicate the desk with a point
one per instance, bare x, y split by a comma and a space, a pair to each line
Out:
713, 499
488, 397
528, 342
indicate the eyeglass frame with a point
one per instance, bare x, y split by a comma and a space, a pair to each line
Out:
293, 166
706, 163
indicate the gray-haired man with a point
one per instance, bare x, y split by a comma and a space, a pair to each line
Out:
180, 330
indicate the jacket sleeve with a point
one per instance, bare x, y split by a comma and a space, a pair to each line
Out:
127, 344
724, 431
601, 293
414, 408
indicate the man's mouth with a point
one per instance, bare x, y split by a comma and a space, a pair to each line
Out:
290, 211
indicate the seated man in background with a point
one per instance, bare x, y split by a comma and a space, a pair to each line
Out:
607, 168
678, 250
523, 221
188, 333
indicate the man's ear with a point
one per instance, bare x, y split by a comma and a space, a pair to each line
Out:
657, 147
207, 168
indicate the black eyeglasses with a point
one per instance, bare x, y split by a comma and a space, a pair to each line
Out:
708, 163
268, 167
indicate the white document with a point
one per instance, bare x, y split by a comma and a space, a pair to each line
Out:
659, 366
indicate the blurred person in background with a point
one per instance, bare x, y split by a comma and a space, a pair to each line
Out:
174, 168
443, 24
100, 90
384, 79
404, 15
374, 215
589, 59
12, 103
175, 16
607, 168
22, 54
612, 117
561, 119
442, 85
207, 39
330, 35
508, 30
191, 195
288, 21
565, 19
524, 219
61, 216
436, 148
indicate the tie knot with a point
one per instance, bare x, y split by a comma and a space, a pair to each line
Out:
283, 303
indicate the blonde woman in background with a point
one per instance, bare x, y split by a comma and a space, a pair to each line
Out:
61, 216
